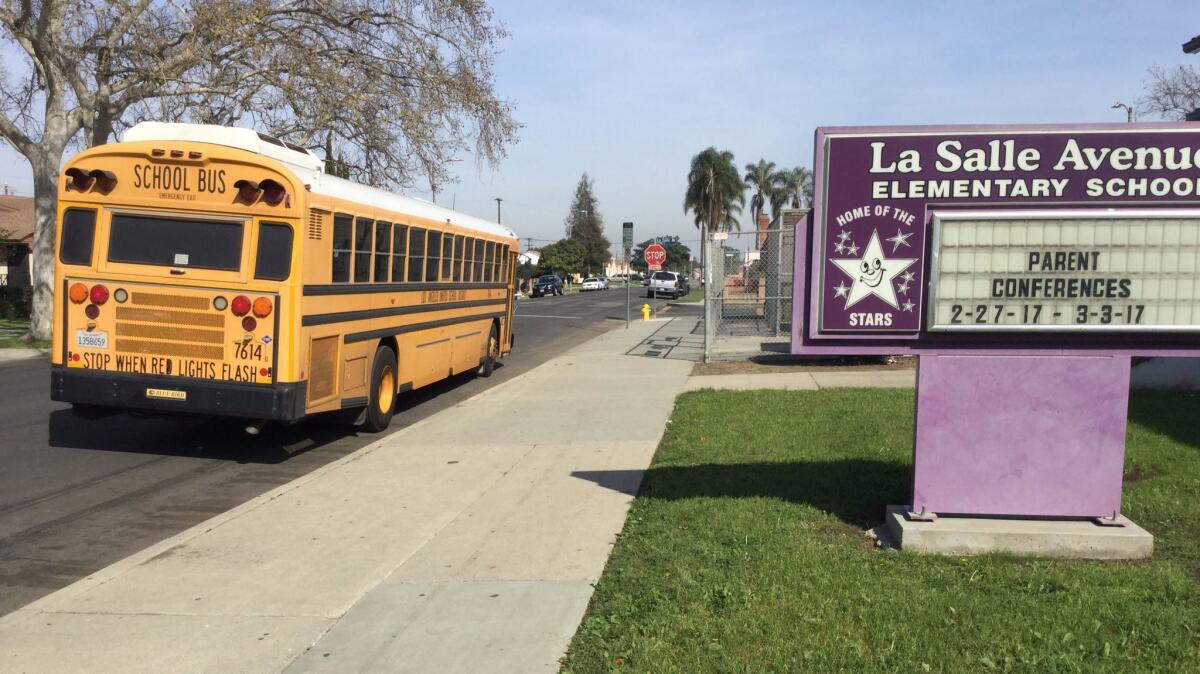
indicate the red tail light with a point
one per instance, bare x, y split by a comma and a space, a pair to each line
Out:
248, 191
80, 180
99, 294
262, 307
91, 311
105, 180
248, 324
273, 192
240, 306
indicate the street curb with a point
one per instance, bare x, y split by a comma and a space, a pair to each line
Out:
7, 355
116, 569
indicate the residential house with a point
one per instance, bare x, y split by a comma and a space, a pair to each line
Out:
16, 240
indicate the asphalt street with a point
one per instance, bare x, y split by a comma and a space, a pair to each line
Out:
77, 495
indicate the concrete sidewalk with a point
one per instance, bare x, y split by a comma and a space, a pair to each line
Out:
466, 543
806, 381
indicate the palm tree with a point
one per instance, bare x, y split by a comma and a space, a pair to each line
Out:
715, 193
795, 184
761, 178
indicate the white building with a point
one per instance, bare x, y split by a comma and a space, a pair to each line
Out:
531, 256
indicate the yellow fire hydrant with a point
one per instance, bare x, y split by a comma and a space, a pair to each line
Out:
645, 312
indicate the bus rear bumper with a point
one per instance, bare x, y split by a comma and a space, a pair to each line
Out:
277, 402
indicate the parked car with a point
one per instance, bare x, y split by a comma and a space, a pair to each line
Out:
591, 283
605, 284
666, 283
546, 284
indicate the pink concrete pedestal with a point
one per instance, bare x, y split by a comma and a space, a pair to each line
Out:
1040, 436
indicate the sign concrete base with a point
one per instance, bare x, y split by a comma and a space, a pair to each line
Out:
1065, 539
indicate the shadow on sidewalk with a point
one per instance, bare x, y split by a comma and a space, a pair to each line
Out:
854, 490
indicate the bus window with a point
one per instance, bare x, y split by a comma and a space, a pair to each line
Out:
489, 260
416, 254
78, 234
468, 259
362, 250
477, 274
504, 264
399, 246
383, 250
432, 254
447, 257
341, 248
458, 258
175, 242
274, 259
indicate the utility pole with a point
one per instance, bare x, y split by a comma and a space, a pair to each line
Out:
498, 200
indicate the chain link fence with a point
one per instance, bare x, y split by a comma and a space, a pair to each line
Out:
748, 289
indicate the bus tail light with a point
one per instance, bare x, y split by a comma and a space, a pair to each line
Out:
120, 295
240, 305
248, 191
249, 324
273, 193
105, 180
78, 293
99, 294
262, 307
80, 180
220, 303
91, 311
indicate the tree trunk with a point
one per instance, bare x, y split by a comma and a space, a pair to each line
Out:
45, 199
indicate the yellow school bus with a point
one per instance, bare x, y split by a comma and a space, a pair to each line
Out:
217, 271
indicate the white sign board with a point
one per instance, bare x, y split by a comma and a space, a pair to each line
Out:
1065, 270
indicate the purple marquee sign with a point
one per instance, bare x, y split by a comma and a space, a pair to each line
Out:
1038, 221
1025, 266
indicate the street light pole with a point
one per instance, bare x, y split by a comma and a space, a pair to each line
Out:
498, 200
1128, 110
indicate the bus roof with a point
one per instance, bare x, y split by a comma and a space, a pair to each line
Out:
310, 170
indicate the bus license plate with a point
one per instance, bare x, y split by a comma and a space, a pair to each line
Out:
166, 394
91, 340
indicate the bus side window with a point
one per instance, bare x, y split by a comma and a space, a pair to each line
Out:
399, 247
478, 273
78, 235
469, 260
273, 261
458, 258
489, 262
341, 248
416, 254
362, 250
504, 264
447, 257
432, 254
383, 250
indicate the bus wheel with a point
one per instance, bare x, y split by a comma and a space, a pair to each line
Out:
382, 401
493, 352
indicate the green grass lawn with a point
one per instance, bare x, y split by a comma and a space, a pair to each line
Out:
696, 295
10, 335
745, 552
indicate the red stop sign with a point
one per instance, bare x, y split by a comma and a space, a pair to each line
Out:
655, 255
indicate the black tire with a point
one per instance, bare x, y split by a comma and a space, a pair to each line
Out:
381, 399
491, 353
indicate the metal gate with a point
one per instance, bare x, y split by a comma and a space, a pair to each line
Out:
748, 289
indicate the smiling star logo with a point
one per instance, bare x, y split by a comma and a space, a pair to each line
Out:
872, 274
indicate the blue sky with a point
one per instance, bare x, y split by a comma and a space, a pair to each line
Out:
629, 91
